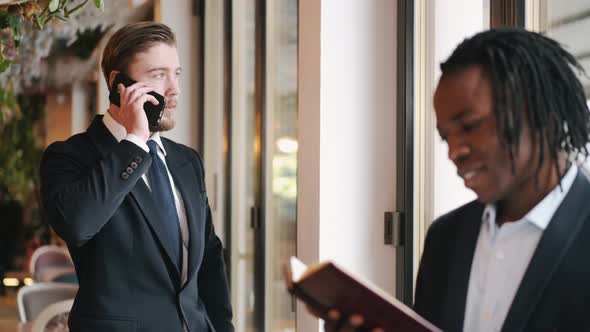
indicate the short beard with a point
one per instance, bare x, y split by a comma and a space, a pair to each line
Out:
167, 123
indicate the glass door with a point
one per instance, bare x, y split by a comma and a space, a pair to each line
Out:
566, 22
245, 167
250, 151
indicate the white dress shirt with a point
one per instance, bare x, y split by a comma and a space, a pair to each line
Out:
502, 256
120, 133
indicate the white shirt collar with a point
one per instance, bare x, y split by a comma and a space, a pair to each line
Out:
120, 133
542, 213
116, 129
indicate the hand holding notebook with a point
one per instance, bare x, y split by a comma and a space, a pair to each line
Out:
326, 287
336, 322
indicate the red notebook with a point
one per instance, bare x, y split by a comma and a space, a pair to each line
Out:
327, 286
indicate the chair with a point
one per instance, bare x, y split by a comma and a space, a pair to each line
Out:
49, 263
33, 299
54, 318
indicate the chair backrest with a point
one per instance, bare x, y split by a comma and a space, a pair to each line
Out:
33, 299
56, 274
49, 256
54, 317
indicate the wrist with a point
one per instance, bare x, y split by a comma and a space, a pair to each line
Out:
137, 141
143, 135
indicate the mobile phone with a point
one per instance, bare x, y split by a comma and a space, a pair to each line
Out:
153, 112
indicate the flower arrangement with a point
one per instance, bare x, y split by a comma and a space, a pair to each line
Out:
26, 36
14, 13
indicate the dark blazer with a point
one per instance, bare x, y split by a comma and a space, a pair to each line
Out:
96, 201
554, 294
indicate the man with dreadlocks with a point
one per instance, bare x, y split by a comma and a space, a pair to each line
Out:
513, 113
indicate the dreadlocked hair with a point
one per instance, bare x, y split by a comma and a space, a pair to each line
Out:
533, 80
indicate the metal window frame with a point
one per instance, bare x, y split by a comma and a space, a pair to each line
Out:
258, 217
260, 136
405, 151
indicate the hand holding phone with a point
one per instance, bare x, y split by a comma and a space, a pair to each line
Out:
133, 99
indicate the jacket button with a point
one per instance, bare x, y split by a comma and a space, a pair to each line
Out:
124, 176
134, 165
138, 159
129, 170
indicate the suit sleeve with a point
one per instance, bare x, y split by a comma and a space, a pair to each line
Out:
212, 279
431, 282
424, 276
79, 199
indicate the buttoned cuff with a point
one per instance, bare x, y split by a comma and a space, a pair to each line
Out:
137, 141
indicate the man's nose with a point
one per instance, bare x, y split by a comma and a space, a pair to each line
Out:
458, 148
173, 87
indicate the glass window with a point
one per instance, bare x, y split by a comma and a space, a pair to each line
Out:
251, 143
567, 22
281, 158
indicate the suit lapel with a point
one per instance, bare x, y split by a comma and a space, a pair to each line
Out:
185, 180
466, 241
147, 204
554, 244
104, 140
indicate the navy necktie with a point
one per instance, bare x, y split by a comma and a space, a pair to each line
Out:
162, 191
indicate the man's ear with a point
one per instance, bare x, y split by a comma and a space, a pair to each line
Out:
112, 77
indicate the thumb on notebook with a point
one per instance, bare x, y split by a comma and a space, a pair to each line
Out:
335, 322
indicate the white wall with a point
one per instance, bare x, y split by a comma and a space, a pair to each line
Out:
449, 31
346, 180
178, 14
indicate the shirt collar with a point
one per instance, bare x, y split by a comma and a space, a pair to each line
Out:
116, 129
542, 213
119, 132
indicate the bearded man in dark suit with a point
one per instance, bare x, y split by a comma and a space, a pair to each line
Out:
132, 205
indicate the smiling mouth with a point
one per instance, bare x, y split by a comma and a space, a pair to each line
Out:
471, 174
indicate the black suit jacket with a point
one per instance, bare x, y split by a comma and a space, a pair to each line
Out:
97, 202
554, 294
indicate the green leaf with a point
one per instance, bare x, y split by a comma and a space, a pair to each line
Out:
4, 19
53, 5
4, 65
15, 23
99, 4
38, 21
